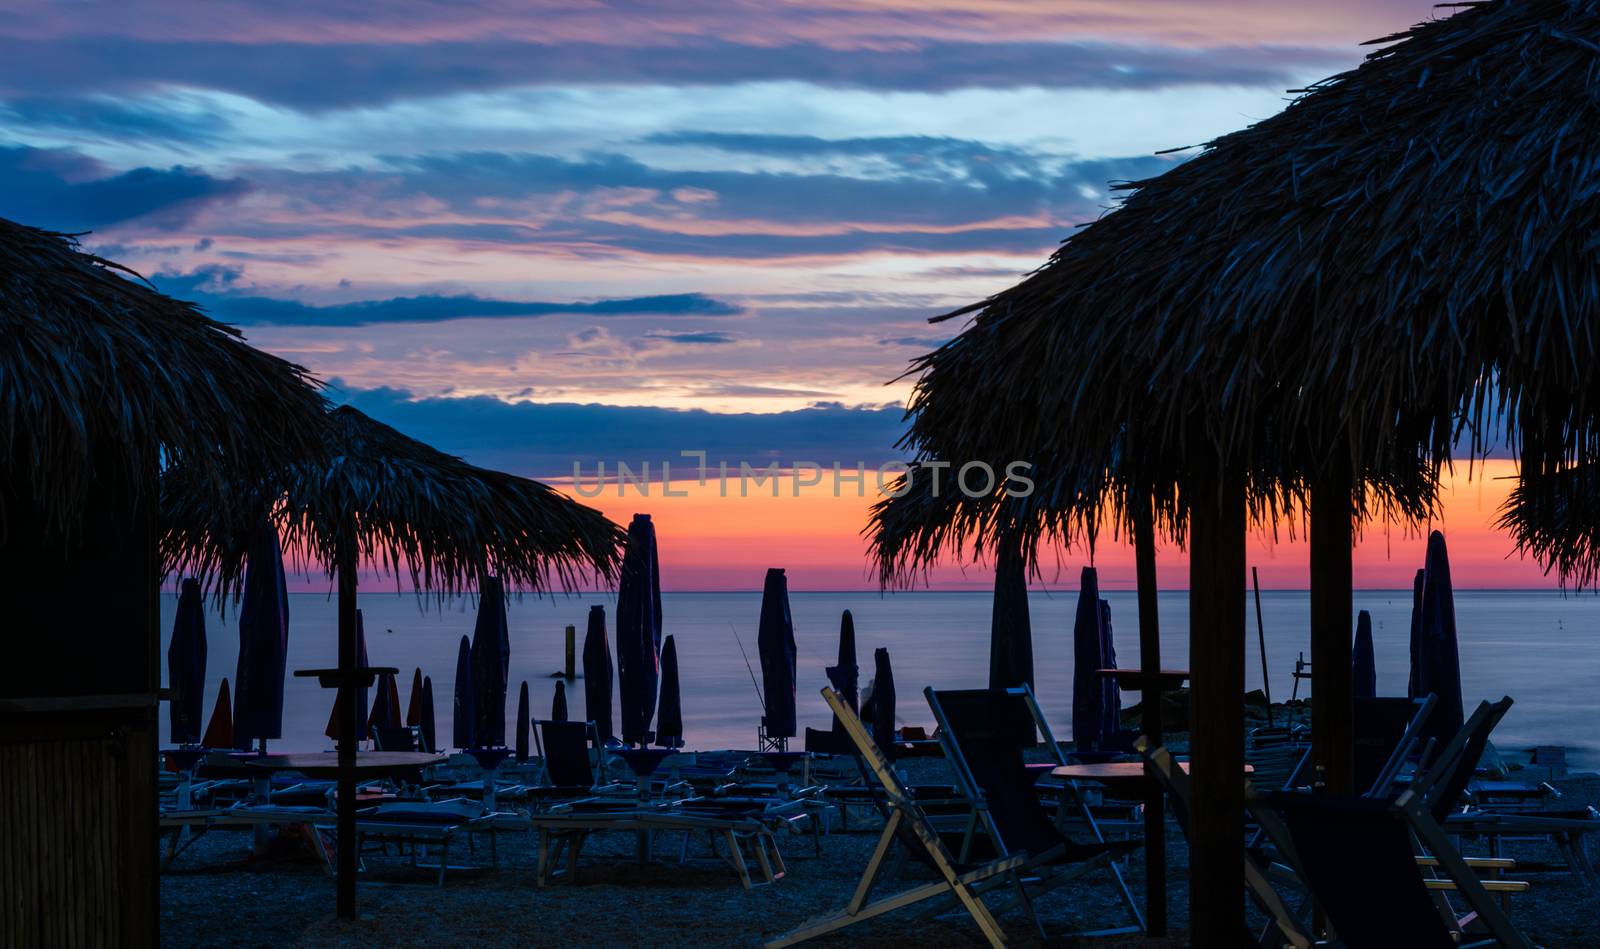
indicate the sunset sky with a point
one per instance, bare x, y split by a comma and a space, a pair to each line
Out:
534, 233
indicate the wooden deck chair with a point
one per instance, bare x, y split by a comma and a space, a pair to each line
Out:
1358, 857
985, 732
570, 774
1285, 926
906, 822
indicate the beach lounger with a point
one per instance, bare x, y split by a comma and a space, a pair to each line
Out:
569, 773
985, 732
1446, 787
907, 824
420, 824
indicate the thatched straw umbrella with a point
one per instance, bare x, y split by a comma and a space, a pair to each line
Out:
378, 495
102, 382
1345, 286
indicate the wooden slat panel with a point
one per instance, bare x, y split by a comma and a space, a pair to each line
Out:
62, 841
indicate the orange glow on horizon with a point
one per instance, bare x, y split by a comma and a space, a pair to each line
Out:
713, 542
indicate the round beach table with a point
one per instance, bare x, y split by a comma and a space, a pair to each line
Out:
368, 764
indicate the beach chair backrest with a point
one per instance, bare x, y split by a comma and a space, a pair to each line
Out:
1383, 727
985, 732
1356, 855
1443, 784
913, 828
565, 747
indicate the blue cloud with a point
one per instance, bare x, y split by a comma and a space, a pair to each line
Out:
65, 191
315, 76
693, 339
212, 287
544, 440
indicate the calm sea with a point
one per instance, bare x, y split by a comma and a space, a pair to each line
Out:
1539, 647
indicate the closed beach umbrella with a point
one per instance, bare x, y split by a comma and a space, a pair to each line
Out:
845, 677
414, 703
597, 673
1437, 668
463, 714
669, 717
558, 704
430, 731
335, 726
1088, 643
1110, 692
522, 722
186, 665
882, 703
386, 704
775, 643
1010, 632
1416, 630
491, 664
639, 630
263, 642
219, 731
1364, 660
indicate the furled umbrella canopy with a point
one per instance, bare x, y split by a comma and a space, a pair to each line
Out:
186, 665
414, 702
597, 673
669, 717
491, 665
1365, 658
845, 677
524, 718
1437, 662
1110, 692
385, 705
639, 631
1010, 632
463, 714
1088, 644
429, 724
558, 703
775, 644
219, 730
263, 642
336, 726
879, 706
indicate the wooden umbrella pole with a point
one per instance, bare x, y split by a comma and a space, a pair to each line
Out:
1150, 696
350, 713
1217, 522
1333, 679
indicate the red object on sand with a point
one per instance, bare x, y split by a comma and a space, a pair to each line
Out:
219, 732
414, 707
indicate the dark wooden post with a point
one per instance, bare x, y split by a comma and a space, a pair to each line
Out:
1150, 696
1333, 681
1217, 523
350, 712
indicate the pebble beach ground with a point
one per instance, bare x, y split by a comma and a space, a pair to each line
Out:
214, 897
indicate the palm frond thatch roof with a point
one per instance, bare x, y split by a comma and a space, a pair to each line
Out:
1407, 246
101, 377
403, 505
1555, 517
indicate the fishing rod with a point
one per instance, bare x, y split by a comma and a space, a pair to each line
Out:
759, 697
